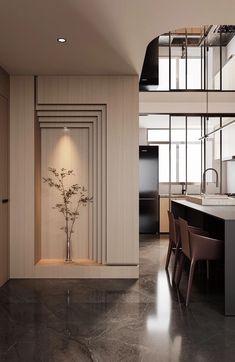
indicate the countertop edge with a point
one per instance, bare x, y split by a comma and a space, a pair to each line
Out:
208, 209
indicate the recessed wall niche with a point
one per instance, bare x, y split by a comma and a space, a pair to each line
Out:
73, 139
65, 148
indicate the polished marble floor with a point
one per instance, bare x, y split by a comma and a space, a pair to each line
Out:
116, 320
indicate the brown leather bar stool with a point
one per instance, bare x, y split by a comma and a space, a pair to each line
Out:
195, 247
174, 241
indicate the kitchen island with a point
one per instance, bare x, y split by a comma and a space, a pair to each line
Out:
219, 221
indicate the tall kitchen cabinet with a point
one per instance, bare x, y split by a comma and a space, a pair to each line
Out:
4, 177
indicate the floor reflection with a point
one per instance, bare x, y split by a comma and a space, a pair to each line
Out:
159, 322
67, 315
114, 320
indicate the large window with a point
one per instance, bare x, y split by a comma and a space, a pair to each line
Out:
194, 149
163, 162
180, 149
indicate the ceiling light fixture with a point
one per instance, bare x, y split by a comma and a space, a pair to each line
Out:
61, 40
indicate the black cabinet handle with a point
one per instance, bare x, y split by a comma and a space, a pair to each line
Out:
4, 201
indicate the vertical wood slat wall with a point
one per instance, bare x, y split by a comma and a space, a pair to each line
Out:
120, 96
4, 176
22, 179
93, 118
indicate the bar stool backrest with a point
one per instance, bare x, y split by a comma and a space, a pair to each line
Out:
184, 236
172, 228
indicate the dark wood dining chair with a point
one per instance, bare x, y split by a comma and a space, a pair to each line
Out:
195, 247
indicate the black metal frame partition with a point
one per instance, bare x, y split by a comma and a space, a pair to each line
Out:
204, 118
204, 67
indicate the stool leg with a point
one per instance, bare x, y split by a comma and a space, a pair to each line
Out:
207, 270
190, 280
177, 254
179, 274
168, 254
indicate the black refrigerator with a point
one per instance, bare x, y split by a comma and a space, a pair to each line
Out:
148, 194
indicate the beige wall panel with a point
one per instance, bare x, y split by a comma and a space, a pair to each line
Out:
22, 176
81, 89
123, 176
68, 149
4, 190
4, 148
120, 94
4, 243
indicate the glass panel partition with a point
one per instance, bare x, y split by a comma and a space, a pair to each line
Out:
194, 65
228, 145
188, 145
178, 149
159, 135
212, 154
200, 58
164, 59
228, 65
194, 157
213, 67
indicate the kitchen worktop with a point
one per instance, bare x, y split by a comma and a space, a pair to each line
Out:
222, 212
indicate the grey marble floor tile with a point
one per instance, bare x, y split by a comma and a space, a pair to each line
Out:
116, 320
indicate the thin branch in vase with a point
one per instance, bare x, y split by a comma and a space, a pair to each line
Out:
71, 213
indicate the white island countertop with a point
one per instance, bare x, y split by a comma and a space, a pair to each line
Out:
222, 212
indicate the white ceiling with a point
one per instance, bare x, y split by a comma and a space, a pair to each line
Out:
104, 36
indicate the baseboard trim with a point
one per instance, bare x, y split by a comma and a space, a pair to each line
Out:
67, 271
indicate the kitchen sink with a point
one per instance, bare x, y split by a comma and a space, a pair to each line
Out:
211, 200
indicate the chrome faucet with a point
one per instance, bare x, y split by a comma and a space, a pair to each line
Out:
204, 179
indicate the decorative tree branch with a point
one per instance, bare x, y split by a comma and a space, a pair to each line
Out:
71, 213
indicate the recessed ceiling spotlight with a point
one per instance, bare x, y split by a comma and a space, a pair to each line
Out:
61, 40
66, 129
